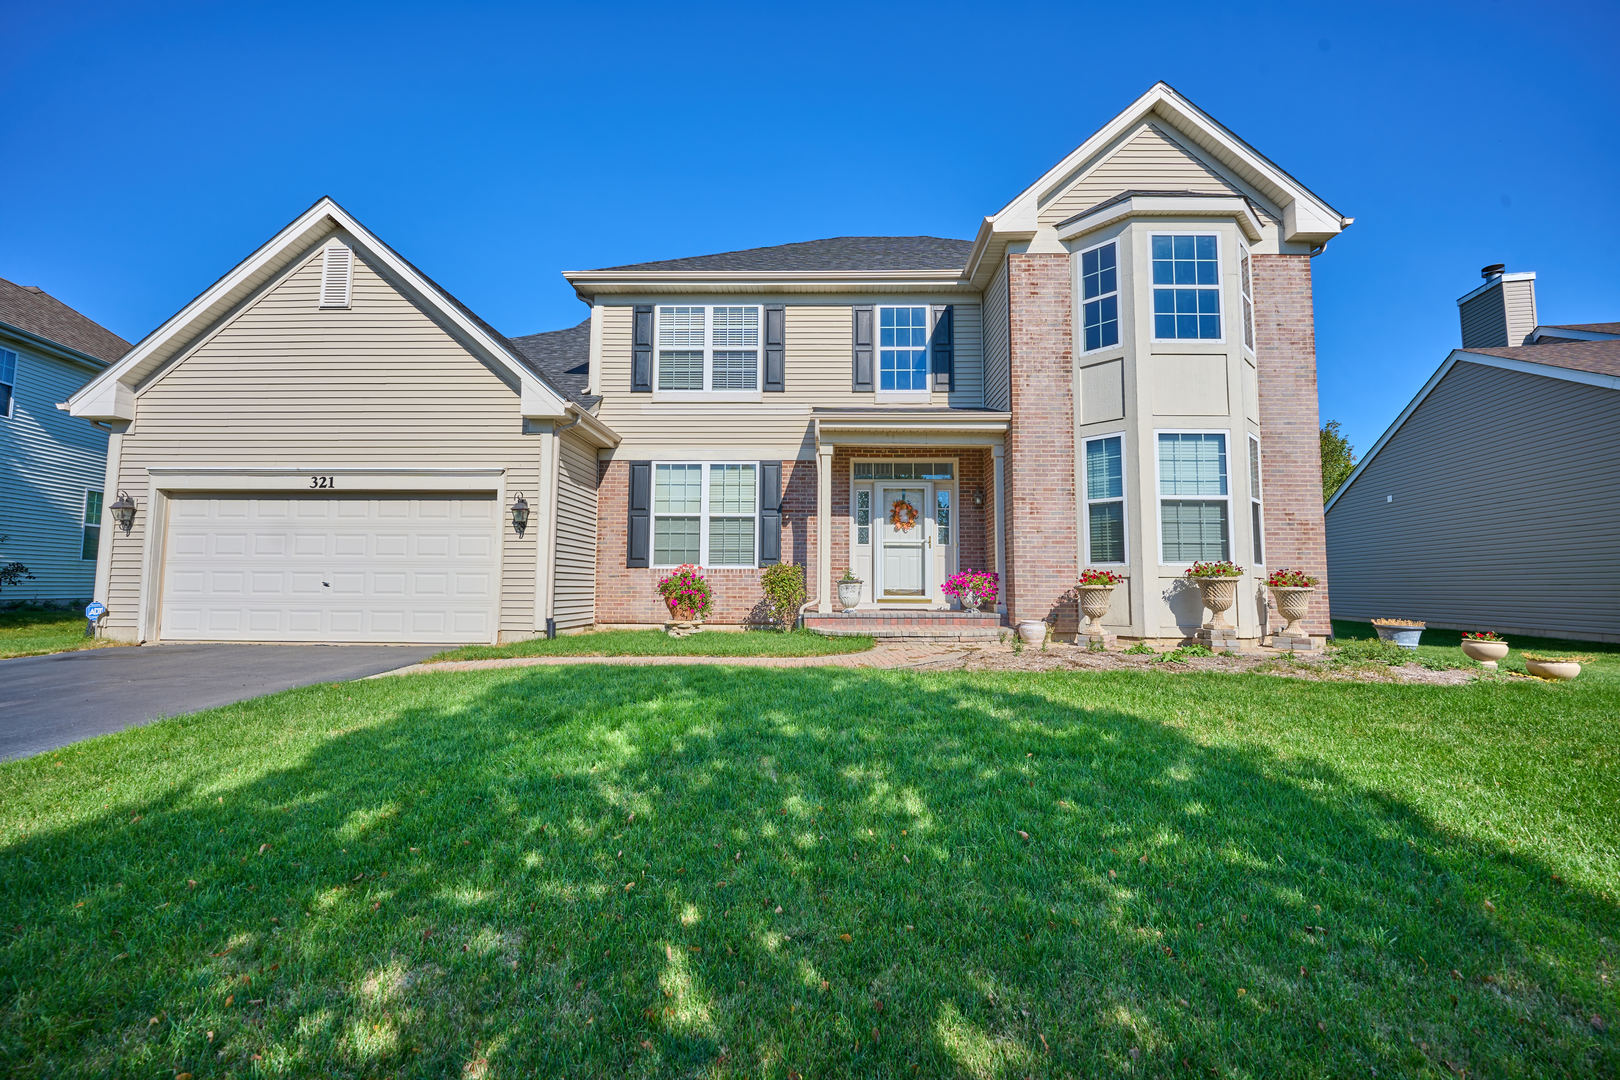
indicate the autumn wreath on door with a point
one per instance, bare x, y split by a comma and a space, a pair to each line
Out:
902, 515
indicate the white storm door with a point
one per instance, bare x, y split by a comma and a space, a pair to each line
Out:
901, 515
360, 568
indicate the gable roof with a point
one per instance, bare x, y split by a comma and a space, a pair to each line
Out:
35, 311
838, 253
1595, 363
110, 396
1589, 327
563, 357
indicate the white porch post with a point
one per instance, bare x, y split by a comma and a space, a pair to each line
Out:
824, 460
998, 481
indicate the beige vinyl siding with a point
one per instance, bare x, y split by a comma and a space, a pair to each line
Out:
575, 604
47, 461
997, 343
1149, 160
817, 369
1505, 514
1519, 308
1484, 320
283, 384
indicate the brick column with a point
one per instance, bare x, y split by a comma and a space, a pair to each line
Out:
1042, 520
1290, 450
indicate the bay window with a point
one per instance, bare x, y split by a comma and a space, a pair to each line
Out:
1105, 500
1194, 497
705, 514
713, 348
1255, 504
1186, 287
1099, 296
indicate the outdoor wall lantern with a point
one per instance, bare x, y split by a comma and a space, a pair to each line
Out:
978, 495
123, 512
520, 514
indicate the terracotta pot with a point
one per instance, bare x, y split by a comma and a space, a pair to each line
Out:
1219, 596
1486, 652
1095, 601
1032, 631
849, 593
1557, 670
1293, 604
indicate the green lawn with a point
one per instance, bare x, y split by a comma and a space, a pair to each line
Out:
658, 643
710, 871
29, 631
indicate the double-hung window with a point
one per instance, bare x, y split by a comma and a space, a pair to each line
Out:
903, 349
1194, 502
92, 525
1099, 295
8, 380
705, 514
1255, 504
1246, 279
712, 348
1105, 500
1186, 287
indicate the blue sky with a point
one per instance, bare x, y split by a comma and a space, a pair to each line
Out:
150, 147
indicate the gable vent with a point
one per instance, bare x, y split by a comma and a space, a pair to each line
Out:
337, 272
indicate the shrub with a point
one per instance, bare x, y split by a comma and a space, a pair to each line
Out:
1141, 648
1183, 653
1370, 652
13, 573
687, 593
784, 593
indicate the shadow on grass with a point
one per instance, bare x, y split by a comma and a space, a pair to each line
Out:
671, 871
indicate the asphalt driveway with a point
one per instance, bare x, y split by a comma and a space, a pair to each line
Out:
50, 701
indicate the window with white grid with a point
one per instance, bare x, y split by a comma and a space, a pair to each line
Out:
708, 347
1247, 281
903, 349
1194, 498
704, 514
8, 380
1186, 287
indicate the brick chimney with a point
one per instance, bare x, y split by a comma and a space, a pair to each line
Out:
1501, 312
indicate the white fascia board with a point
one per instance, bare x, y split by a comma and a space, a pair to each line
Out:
1570, 334
592, 283
1522, 275
325, 214
1589, 378
1215, 206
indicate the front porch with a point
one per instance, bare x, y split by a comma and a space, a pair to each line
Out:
905, 499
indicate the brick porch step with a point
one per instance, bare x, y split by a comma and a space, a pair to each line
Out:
947, 625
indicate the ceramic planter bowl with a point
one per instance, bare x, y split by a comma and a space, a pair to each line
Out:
1032, 631
1094, 603
1486, 652
1557, 670
1220, 593
849, 593
1404, 636
1293, 603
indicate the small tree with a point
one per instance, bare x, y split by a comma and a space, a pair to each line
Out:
784, 593
13, 573
1338, 459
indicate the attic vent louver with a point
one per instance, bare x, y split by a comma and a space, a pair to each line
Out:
337, 271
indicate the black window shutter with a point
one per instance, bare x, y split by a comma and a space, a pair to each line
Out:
775, 348
770, 512
641, 362
639, 548
862, 359
944, 349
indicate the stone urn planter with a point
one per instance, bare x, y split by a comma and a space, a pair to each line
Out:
849, 592
1220, 593
1487, 653
1032, 631
1095, 600
1293, 603
1559, 669
1403, 632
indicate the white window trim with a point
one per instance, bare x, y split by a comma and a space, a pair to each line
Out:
85, 522
1257, 500
1119, 315
708, 393
11, 398
902, 397
1218, 288
1159, 497
870, 484
1245, 297
703, 517
1124, 494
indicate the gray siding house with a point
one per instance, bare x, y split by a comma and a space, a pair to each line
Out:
1493, 501
52, 465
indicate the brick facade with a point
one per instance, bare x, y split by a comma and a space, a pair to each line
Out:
1043, 519
1290, 450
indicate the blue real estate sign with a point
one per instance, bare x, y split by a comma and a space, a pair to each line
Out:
95, 610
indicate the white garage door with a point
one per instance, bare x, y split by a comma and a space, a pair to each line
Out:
329, 568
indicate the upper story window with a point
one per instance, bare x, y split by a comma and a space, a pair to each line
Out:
1099, 295
708, 347
1247, 281
1194, 497
8, 379
903, 349
1186, 287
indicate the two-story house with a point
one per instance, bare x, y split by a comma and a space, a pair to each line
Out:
52, 465
1118, 370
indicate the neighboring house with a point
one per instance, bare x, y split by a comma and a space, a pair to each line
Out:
327, 446
1492, 502
52, 465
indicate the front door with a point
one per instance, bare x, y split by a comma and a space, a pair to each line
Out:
904, 541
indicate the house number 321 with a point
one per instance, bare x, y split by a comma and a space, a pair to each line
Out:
320, 482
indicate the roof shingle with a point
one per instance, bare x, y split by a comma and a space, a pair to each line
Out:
852, 253
561, 356
1598, 357
30, 308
